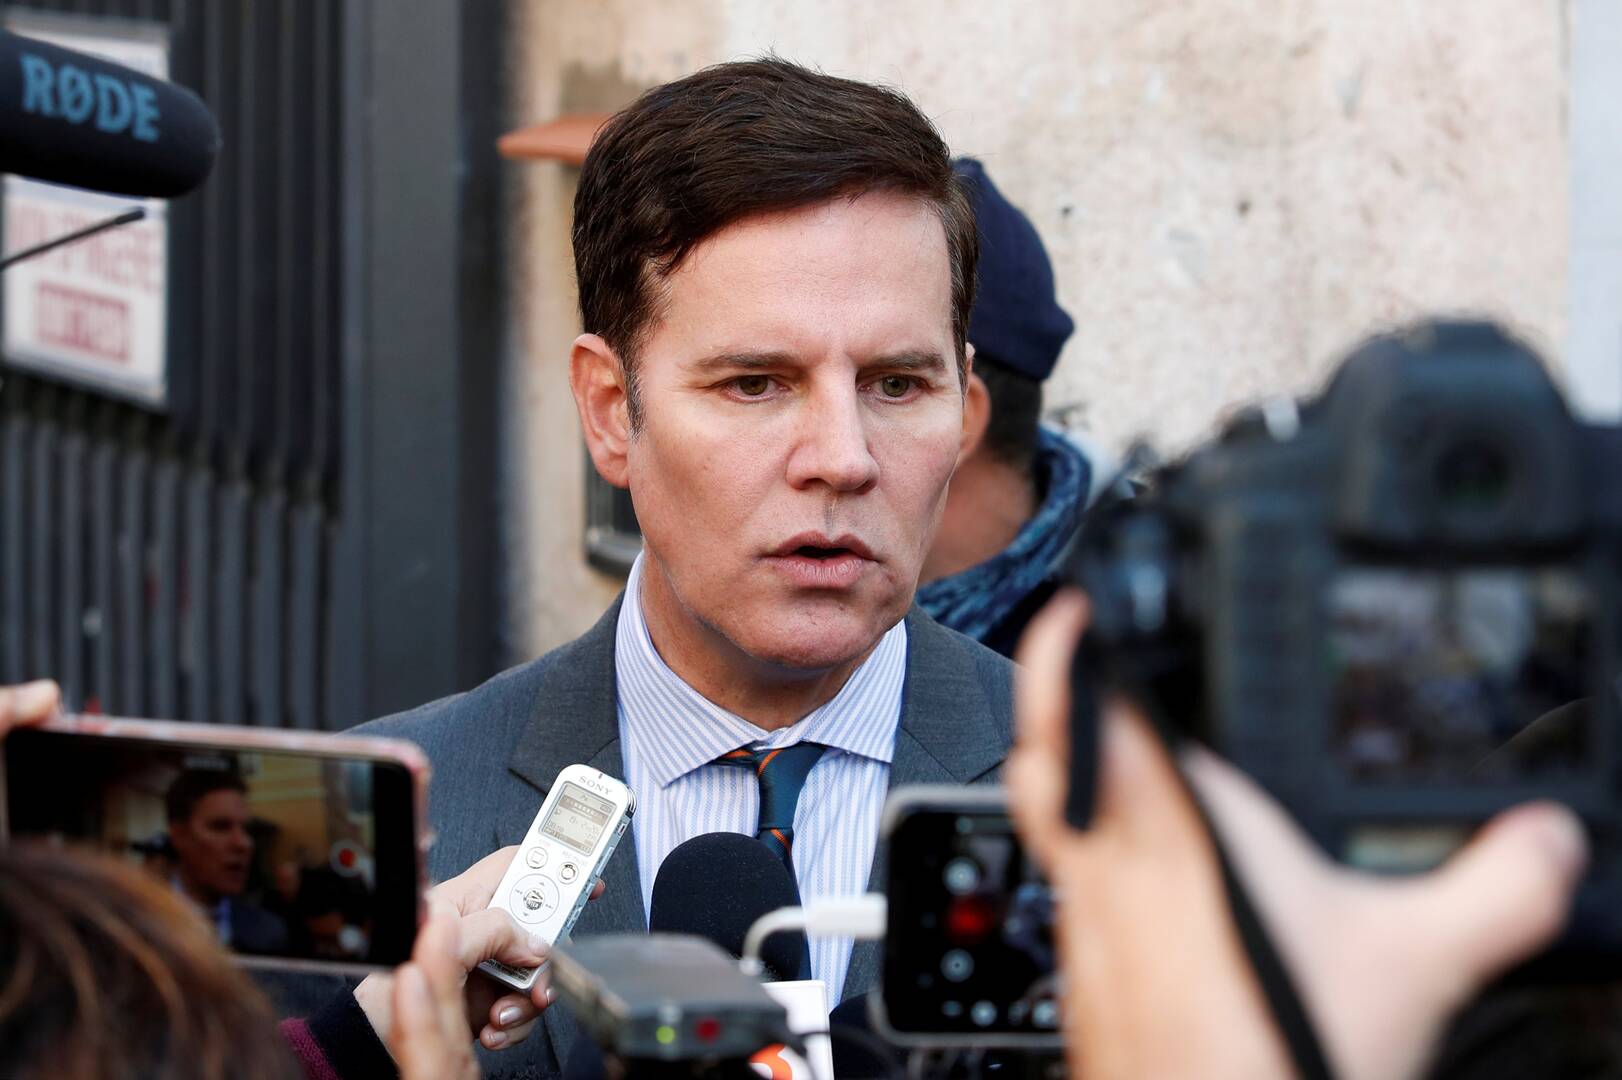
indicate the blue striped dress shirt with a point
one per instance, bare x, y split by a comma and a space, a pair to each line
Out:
671, 735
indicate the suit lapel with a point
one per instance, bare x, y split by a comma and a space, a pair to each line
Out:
950, 733
576, 721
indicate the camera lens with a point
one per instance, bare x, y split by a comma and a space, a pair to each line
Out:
957, 965
1472, 477
962, 876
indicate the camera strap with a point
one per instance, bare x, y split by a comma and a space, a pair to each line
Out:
1283, 1000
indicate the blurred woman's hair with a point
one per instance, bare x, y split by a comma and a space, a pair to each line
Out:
105, 972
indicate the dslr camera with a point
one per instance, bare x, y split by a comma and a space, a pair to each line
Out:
1397, 606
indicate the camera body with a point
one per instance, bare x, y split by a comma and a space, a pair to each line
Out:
1396, 608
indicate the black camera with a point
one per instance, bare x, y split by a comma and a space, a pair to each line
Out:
1397, 606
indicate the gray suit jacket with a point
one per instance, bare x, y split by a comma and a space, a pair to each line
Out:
496, 749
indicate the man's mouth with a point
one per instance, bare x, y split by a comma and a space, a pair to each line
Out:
815, 561
822, 548
811, 551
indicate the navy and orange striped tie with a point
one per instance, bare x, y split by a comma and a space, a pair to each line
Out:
781, 772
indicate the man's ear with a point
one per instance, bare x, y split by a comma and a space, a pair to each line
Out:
597, 379
976, 417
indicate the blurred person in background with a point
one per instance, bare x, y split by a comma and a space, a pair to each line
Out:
109, 974
1020, 487
208, 816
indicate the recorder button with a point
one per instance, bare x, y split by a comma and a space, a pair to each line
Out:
534, 899
535, 858
568, 872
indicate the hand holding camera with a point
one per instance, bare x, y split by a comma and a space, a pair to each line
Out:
1158, 982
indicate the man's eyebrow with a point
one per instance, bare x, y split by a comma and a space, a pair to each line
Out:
731, 361
910, 360
907, 360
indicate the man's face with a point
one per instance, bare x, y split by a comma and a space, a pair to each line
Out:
212, 846
801, 419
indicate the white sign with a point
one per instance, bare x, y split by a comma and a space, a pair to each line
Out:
95, 310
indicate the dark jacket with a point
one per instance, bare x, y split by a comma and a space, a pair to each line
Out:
496, 749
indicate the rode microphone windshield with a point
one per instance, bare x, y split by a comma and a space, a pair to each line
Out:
70, 118
716, 886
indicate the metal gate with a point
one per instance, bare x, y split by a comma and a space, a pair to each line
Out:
300, 536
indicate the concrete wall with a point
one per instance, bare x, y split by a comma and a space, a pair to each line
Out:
1232, 191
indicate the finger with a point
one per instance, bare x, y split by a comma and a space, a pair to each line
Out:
1037, 773
1499, 900
1140, 790
472, 889
435, 954
598, 889
422, 1046
1042, 679
28, 705
512, 1011
491, 934
494, 1038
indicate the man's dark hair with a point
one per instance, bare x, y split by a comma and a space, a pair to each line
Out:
193, 786
691, 157
1016, 411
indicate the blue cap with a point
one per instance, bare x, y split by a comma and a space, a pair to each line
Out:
1017, 322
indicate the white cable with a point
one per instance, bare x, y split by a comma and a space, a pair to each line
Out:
861, 917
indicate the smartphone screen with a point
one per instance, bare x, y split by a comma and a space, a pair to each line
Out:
293, 855
969, 949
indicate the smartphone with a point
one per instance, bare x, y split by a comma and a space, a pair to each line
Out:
304, 850
968, 951
562, 856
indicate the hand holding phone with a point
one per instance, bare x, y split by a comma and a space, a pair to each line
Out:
28, 705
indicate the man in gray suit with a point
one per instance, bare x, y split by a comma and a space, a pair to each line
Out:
776, 269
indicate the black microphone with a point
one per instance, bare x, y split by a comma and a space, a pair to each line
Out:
70, 118
715, 886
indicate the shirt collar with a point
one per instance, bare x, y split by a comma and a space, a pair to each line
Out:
673, 729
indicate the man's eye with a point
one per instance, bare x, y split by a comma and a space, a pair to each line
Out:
751, 385
895, 386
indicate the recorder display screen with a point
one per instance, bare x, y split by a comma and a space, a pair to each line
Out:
578, 818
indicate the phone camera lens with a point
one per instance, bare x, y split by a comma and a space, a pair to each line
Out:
957, 965
962, 876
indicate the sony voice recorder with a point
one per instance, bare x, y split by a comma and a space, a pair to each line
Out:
561, 859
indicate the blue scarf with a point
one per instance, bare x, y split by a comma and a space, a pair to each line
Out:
975, 601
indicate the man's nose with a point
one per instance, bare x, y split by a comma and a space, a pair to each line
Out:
831, 445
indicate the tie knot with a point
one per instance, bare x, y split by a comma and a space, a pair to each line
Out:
781, 773
776, 760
